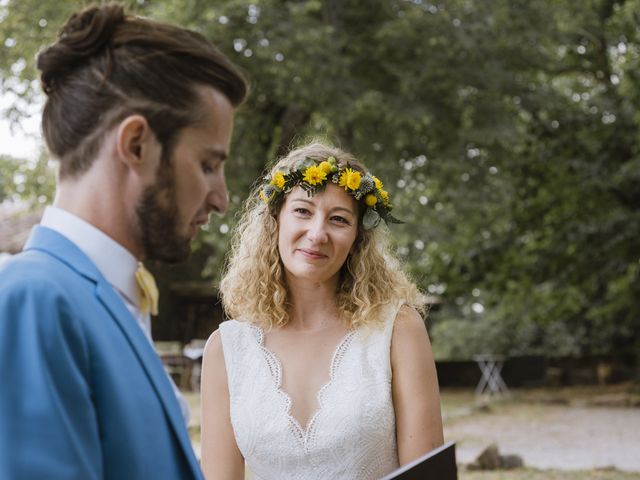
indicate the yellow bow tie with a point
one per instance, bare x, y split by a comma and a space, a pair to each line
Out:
148, 290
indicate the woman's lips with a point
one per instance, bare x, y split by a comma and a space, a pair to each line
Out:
311, 253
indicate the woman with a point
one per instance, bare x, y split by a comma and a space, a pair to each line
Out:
327, 370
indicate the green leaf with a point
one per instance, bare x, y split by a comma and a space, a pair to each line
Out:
371, 219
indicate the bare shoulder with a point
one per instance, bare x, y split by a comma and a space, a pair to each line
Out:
409, 340
416, 399
213, 353
409, 324
213, 379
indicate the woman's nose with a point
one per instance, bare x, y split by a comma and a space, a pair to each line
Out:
317, 232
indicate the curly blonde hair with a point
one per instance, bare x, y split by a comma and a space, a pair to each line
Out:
254, 287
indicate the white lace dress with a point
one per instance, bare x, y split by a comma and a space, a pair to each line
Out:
351, 436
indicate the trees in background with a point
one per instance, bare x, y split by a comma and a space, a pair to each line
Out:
506, 132
28, 181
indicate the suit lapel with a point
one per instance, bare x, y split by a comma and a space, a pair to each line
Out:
149, 360
57, 245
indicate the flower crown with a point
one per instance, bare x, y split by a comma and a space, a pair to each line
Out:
313, 175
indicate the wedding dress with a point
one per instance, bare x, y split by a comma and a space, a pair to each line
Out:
352, 434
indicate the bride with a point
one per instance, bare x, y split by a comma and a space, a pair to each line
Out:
326, 371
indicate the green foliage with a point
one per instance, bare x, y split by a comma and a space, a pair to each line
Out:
505, 132
28, 181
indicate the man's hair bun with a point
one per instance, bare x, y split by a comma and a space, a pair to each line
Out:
84, 35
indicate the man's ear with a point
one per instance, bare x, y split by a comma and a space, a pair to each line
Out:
135, 141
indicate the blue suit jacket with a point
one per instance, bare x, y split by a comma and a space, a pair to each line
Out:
83, 395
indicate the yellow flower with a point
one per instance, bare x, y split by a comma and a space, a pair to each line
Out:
370, 200
378, 183
264, 198
325, 167
350, 179
314, 175
385, 197
278, 180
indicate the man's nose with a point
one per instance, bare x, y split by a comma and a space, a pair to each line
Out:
218, 198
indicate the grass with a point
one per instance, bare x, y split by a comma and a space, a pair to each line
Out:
459, 404
531, 474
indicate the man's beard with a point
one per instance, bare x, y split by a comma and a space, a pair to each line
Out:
158, 218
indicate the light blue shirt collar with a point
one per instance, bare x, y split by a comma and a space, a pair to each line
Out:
114, 261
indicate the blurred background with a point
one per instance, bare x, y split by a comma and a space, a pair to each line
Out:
505, 130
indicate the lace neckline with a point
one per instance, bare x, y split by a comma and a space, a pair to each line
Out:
304, 435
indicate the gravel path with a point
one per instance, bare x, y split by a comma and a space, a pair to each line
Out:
552, 436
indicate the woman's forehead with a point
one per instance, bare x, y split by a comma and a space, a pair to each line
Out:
331, 196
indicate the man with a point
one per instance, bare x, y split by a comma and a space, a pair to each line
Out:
140, 115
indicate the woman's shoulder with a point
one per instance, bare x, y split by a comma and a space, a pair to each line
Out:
234, 334
213, 347
393, 320
399, 315
235, 326
215, 340
408, 319
403, 324
409, 332
228, 325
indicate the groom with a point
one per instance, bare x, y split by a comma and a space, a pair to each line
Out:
140, 116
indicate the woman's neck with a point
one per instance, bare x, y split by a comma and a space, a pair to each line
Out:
313, 306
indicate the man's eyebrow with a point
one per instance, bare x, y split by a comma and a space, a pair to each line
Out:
215, 153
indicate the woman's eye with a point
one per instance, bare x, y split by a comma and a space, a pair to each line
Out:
301, 210
206, 168
340, 219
